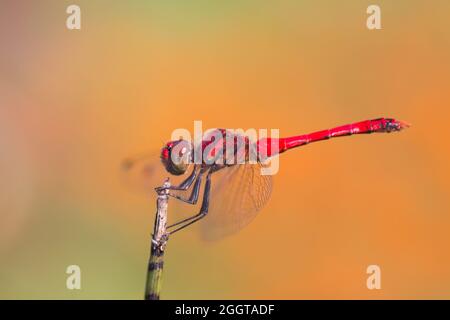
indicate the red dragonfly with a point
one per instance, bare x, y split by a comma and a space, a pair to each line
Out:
234, 189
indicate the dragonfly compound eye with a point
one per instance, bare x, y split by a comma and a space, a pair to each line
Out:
176, 157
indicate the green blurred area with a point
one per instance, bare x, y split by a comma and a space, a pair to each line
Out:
113, 266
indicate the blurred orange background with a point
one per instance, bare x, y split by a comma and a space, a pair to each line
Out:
73, 104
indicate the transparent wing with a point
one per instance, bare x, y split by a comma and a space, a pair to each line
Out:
143, 173
238, 193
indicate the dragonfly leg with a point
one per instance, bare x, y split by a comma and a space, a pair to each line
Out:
193, 198
186, 184
203, 210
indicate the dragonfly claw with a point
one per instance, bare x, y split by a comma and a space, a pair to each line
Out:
161, 188
164, 187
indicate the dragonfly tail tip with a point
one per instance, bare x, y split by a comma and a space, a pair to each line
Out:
403, 124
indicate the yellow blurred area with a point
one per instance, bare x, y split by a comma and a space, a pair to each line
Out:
74, 104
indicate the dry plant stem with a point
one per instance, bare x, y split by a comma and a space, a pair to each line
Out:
158, 245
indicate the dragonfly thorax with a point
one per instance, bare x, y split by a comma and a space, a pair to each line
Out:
223, 149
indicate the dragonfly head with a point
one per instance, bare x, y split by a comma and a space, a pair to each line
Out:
176, 156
